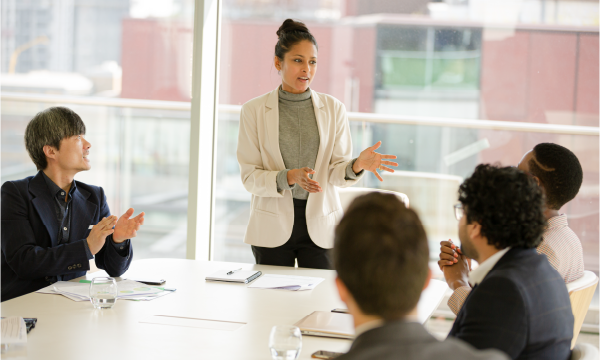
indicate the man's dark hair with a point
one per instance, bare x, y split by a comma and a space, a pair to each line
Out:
49, 127
507, 203
381, 255
560, 173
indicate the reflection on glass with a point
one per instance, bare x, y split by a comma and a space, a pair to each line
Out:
109, 50
448, 60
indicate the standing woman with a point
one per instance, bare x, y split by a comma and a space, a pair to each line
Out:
294, 148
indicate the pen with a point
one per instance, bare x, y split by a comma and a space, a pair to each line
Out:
232, 271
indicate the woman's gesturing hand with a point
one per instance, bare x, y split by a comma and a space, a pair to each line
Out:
300, 177
372, 161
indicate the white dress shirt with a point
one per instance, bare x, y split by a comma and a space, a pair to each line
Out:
476, 276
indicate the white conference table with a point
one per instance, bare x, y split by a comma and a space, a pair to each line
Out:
74, 330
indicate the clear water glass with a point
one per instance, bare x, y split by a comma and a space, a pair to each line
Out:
103, 292
285, 342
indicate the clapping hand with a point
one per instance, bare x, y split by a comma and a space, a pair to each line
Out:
372, 161
100, 231
127, 228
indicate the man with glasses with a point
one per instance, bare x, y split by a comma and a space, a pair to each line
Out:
558, 172
518, 302
382, 284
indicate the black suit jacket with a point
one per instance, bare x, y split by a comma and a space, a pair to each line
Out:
31, 253
521, 307
410, 341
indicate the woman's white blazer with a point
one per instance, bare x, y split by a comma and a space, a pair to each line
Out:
272, 212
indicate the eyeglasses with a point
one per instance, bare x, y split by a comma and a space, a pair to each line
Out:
458, 211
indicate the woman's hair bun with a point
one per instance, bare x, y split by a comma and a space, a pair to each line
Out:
291, 33
290, 25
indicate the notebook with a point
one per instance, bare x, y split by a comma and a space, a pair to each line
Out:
327, 324
238, 276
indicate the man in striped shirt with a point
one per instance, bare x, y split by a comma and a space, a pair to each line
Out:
558, 172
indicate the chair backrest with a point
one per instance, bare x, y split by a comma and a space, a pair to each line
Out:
581, 292
584, 352
348, 194
432, 196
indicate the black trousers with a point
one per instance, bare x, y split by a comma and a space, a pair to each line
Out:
300, 246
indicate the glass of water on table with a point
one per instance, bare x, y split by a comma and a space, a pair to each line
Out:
103, 292
285, 342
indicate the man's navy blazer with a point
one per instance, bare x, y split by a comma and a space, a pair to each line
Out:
521, 307
31, 254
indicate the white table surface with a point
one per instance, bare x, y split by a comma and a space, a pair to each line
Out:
74, 330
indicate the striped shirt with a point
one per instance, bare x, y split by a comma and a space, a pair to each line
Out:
560, 245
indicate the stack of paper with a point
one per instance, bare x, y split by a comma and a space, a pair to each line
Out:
126, 290
286, 282
14, 330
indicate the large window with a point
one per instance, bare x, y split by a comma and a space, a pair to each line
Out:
428, 79
100, 58
444, 84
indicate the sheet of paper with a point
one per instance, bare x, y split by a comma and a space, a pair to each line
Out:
14, 330
286, 282
60, 284
431, 298
192, 322
127, 290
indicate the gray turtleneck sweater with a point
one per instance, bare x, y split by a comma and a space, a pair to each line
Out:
299, 139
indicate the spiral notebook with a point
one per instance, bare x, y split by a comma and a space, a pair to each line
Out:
243, 277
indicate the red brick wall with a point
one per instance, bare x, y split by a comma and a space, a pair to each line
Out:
153, 60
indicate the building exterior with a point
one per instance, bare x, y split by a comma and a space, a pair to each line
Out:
72, 35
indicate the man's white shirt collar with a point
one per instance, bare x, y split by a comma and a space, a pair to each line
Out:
476, 276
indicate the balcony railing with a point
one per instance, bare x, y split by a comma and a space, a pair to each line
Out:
352, 116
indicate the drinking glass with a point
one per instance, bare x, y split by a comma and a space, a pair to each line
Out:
285, 342
103, 292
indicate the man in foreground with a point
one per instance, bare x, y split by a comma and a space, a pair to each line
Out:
381, 257
53, 225
518, 303
558, 172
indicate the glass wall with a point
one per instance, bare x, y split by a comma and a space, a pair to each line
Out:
403, 63
98, 58
399, 62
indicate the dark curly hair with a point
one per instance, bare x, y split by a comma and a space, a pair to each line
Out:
290, 33
563, 175
507, 203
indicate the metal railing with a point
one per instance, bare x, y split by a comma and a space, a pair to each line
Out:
352, 116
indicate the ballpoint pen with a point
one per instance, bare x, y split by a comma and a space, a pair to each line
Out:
232, 271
